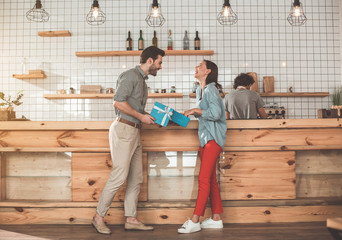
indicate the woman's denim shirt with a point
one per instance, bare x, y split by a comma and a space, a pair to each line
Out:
212, 123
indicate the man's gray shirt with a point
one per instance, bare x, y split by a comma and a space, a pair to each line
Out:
131, 88
243, 104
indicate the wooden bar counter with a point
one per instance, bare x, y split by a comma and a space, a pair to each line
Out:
270, 171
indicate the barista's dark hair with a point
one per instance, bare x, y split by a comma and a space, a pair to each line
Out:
151, 52
243, 79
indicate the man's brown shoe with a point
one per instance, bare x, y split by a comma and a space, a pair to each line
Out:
138, 226
101, 227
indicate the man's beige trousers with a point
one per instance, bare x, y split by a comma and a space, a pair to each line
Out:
126, 153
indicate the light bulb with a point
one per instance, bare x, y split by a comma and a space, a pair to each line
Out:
95, 12
155, 12
226, 11
297, 12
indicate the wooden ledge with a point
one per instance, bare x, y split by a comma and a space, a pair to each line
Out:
281, 94
30, 76
137, 53
64, 33
103, 95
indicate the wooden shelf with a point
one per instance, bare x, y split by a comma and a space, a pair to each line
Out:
64, 33
165, 95
102, 95
297, 94
137, 53
33, 74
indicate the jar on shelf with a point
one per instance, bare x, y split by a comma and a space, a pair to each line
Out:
173, 89
195, 86
163, 90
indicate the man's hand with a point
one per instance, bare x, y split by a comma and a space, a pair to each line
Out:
147, 119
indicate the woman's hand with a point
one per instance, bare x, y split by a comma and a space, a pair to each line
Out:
192, 111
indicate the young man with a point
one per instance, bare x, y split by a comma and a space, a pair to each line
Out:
242, 103
124, 140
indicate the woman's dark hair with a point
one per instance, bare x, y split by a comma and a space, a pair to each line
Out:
212, 77
151, 52
243, 79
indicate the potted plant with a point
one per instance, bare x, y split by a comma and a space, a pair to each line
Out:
336, 98
7, 105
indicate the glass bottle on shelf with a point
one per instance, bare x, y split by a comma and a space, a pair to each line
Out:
24, 66
169, 41
155, 39
129, 46
140, 42
186, 41
173, 89
197, 42
195, 86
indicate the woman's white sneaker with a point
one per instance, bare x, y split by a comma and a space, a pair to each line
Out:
210, 223
190, 227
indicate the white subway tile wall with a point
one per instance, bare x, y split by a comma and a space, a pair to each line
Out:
306, 58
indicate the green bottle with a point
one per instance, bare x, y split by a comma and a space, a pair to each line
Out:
155, 39
140, 42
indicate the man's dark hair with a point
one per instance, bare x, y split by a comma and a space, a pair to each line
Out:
151, 52
243, 80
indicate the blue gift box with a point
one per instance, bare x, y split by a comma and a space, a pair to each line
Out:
164, 114
180, 119
161, 113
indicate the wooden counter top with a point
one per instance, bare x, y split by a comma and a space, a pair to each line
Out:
193, 124
242, 135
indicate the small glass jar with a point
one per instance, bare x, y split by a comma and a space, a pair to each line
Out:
163, 90
173, 89
194, 87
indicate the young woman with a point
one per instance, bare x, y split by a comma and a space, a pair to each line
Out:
212, 135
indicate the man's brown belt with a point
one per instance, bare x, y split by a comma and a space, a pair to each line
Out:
136, 125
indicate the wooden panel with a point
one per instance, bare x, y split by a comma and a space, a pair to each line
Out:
283, 123
173, 188
2, 177
63, 33
54, 139
335, 223
20, 215
170, 138
319, 162
283, 137
137, 53
257, 175
90, 172
38, 188
268, 84
193, 124
38, 176
319, 185
38, 164
56, 125
179, 204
